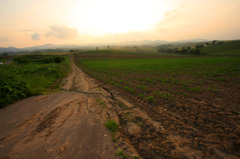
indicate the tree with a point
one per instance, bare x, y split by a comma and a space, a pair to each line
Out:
195, 52
214, 42
199, 46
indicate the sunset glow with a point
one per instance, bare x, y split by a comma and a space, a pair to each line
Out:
28, 23
109, 16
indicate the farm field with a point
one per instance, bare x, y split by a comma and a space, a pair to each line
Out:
194, 101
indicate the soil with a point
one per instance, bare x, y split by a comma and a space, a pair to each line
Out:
70, 124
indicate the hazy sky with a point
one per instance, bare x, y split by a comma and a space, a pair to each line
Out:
26, 23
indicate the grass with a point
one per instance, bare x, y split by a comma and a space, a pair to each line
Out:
5, 58
121, 153
112, 126
150, 99
101, 102
228, 48
31, 75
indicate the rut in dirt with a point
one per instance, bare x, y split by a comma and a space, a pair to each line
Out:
68, 124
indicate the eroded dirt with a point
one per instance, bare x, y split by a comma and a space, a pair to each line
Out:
68, 124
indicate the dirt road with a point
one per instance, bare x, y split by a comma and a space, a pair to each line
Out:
68, 124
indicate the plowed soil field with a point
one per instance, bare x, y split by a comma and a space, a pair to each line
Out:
180, 107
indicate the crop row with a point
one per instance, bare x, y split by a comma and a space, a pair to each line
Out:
156, 79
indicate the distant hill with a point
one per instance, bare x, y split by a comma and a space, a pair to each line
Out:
9, 49
13, 51
192, 41
222, 48
144, 42
230, 47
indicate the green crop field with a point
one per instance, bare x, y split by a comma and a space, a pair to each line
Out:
190, 96
158, 79
30, 75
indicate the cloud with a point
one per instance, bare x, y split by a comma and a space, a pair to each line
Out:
123, 37
170, 13
25, 30
4, 38
35, 36
62, 32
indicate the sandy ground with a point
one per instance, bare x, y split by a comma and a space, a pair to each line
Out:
68, 124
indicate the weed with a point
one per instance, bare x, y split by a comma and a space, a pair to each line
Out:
184, 94
150, 99
141, 87
131, 90
121, 81
149, 80
120, 152
111, 82
111, 125
141, 95
102, 103
196, 90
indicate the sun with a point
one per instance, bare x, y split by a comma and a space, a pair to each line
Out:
115, 16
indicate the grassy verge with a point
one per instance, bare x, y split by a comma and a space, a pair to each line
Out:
112, 126
31, 75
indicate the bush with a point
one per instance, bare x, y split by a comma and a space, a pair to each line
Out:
59, 59
11, 90
195, 52
38, 76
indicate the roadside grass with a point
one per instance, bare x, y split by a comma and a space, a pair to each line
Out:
6, 58
112, 126
122, 154
31, 75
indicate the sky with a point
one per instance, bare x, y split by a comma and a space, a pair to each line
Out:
25, 23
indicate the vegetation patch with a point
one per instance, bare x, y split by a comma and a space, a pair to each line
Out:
122, 154
111, 125
164, 80
190, 96
31, 75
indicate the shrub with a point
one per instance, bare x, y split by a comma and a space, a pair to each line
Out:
59, 59
37, 76
11, 90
